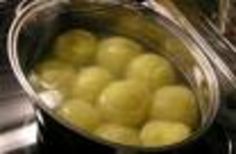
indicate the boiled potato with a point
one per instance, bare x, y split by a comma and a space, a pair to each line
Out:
79, 113
76, 46
55, 74
118, 134
51, 98
35, 81
90, 82
151, 69
161, 133
124, 102
116, 52
175, 103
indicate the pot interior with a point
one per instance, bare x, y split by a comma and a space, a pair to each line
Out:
41, 24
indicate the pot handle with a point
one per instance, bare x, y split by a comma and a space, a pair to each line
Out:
225, 72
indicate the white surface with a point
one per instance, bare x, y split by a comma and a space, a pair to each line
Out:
16, 115
14, 110
24, 136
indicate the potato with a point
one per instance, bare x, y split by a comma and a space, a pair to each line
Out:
118, 134
151, 69
76, 46
51, 98
55, 74
35, 81
175, 103
116, 52
124, 102
80, 114
90, 82
161, 133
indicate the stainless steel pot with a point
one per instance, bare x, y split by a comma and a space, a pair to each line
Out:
38, 22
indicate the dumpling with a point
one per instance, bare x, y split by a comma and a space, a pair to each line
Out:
80, 114
55, 74
118, 134
161, 133
76, 46
116, 52
175, 103
151, 69
124, 102
90, 82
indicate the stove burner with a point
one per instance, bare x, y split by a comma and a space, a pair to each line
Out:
215, 141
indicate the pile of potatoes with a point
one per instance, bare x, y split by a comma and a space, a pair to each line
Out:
117, 89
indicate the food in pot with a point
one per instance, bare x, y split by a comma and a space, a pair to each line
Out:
175, 103
151, 69
76, 46
161, 133
114, 90
125, 102
118, 134
90, 82
81, 114
54, 74
116, 52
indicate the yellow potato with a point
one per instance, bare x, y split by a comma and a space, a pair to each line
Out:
175, 103
51, 98
76, 46
90, 82
35, 81
55, 74
124, 102
116, 52
118, 134
80, 114
161, 133
151, 69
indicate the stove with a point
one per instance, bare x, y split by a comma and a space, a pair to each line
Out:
19, 133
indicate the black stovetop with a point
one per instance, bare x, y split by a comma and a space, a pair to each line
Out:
19, 131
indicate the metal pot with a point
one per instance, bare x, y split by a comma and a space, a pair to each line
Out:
38, 22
